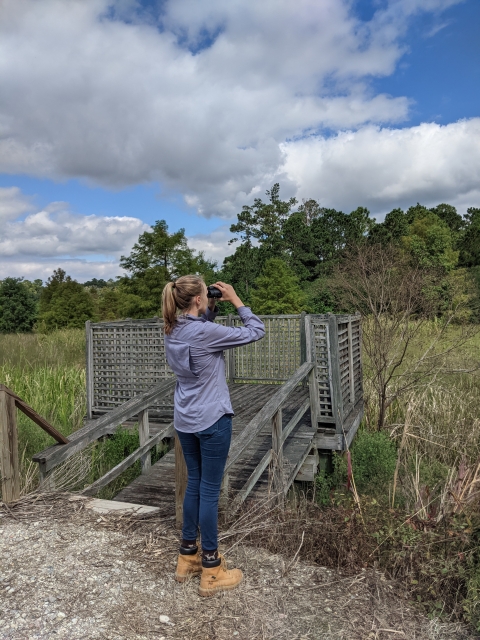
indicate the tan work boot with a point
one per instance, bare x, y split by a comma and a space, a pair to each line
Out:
215, 579
190, 565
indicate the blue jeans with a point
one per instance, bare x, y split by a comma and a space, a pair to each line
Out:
205, 454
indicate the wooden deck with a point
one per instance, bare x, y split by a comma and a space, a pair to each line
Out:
157, 488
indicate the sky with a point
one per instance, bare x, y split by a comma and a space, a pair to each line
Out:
118, 113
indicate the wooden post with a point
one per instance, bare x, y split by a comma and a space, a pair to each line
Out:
312, 378
89, 370
231, 354
277, 448
303, 343
337, 401
144, 435
350, 362
180, 482
9, 467
47, 483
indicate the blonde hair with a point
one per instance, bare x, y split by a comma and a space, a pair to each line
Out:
177, 297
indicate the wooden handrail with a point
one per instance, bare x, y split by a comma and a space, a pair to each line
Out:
255, 425
34, 416
127, 462
94, 429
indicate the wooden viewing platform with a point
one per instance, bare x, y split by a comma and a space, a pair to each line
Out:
157, 488
295, 393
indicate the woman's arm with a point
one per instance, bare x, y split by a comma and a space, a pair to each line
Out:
216, 337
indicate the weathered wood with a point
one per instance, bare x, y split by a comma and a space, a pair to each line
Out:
89, 367
127, 462
144, 435
180, 482
312, 379
266, 413
242, 495
9, 465
292, 423
231, 354
297, 451
337, 401
35, 417
277, 453
350, 364
94, 429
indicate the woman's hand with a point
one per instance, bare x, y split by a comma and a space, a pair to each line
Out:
228, 294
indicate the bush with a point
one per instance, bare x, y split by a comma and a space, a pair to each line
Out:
374, 456
18, 306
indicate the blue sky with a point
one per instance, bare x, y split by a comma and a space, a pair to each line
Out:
143, 117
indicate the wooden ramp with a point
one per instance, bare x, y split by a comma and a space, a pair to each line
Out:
157, 487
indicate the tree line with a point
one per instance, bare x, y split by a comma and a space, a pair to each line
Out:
289, 257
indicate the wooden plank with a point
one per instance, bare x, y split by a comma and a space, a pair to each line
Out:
277, 454
266, 413
180, 482
127, 462
253, 479
9, 465
144, 435
107, 423
297, 451
295, 420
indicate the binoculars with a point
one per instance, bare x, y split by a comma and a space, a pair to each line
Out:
213, 292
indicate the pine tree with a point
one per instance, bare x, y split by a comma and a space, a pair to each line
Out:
18, 306
277, 290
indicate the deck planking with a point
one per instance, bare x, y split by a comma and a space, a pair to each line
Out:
157, 488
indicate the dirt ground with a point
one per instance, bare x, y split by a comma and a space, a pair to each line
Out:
66, 572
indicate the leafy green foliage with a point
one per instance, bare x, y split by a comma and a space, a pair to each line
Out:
64, 303
470, 243
156, 258
277, 290
18, 306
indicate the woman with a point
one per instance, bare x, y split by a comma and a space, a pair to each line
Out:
203, 413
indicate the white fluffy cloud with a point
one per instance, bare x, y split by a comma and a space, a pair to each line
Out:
386, 168
40, 241
118, 95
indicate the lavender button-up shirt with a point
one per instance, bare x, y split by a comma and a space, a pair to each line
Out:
194, 351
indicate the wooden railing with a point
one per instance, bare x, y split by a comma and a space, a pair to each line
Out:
108, 424
272, 413
9, 463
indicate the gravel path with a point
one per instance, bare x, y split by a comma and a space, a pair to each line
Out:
67, 573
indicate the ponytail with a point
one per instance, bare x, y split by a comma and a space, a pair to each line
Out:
177, 297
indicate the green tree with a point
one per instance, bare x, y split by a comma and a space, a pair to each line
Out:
277, 290
64, 303
391, 230
158, 257
264, 222
470, 243
430, 241
18, 306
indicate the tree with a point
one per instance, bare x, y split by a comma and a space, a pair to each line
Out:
18, 306
64, 303
277, 290
158, 257
263, 222
394, 294
470, 243
430, 242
